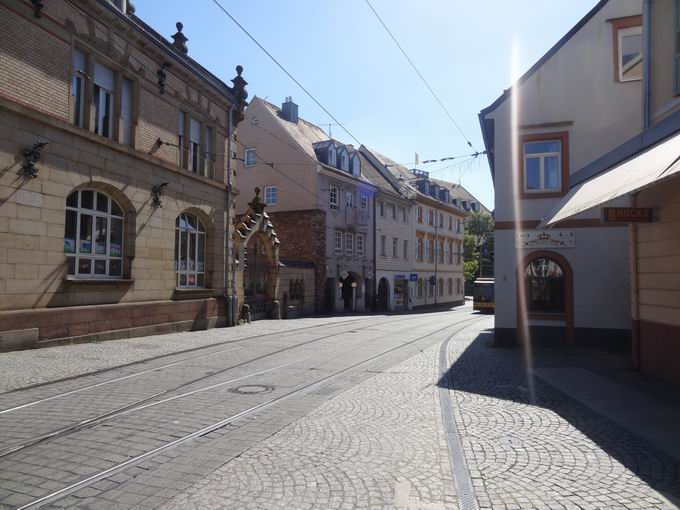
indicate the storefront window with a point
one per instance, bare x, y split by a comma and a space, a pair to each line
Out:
189, 251
544, 282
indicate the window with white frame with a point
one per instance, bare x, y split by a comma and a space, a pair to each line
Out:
194, 145
271, 195
448, 253
383, 241
79, 72
450, 222
419, 214
104, 86
360, 245
405, 249
419, 248
251, 157
356, 170
629, 53
331, 155
542, 166
337, 243
430, 217
459, 254
381, 208
404, 216
440, 287
93, 236
441, 220
349, 199
395, 247
440, 252
419, 291
189, 251
430, 289
349, 243
333, 198
344, 162
364, 202
394, 211
458, 287
449, 286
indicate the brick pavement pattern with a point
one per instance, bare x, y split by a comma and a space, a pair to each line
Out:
377, 445
549, 451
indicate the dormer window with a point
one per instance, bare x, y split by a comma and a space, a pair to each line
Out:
344, 162
356, 167
331, 156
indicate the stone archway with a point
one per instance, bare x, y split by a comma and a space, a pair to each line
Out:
257, 250
351, 291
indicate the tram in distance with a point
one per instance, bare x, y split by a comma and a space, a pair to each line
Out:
482, 297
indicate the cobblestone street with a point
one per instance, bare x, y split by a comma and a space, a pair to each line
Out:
324, 413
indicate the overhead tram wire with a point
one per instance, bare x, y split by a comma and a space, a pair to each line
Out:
280, 66
448, 114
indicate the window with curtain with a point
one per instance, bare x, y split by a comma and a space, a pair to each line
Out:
542, 166
189, 251
104, 86
544, 285
93, 235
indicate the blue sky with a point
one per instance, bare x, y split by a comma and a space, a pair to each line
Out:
339, 51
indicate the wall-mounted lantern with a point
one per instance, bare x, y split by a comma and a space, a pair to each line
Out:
31, 157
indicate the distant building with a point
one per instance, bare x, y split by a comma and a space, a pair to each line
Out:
318, 200
117, 177
642, 172
436, 232
578, 102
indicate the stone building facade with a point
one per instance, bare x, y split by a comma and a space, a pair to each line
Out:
116, 177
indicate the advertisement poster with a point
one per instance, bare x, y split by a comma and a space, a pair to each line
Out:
69, 245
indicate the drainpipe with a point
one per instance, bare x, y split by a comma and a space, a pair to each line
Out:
436, 254
374, 301
646, 64
229, 297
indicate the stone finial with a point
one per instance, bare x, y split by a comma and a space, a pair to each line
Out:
241, 95
180, 39
256, 204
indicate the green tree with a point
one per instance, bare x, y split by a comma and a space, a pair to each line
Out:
478, 237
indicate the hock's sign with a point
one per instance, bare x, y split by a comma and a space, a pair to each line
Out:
627, 214
544, 239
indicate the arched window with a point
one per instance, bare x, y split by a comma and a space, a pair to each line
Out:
449, 286
440, 287
356, 170
544, 284
93, 235
344, 165
189, 251
458, 286
331, 156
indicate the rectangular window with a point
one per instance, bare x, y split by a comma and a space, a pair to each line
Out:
459, 255
251, 157
441, 220
421, 284
209, 155
395, 247
271, 195
360, 245
349, 199
419, 214
542, 166
440, 252
194, 145
394, 212
180, 139
628, 46
104, 85
381, 206
79, 64
404, 217
333, 198
450, 222
349, 243
364, 202
430, 289
383, 240
459, 226
337, 243
449, 253
430, 217
430, 249
405, 249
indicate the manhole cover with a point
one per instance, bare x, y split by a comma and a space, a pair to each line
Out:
250, 389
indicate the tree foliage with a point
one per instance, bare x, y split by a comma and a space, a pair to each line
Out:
478, 236
470, 268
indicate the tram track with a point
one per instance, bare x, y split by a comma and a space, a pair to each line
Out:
152, 400
173, 364
63, 492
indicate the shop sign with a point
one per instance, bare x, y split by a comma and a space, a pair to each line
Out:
544, 239
627, 214
413, 277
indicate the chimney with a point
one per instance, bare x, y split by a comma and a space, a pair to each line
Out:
124, 6
289, 110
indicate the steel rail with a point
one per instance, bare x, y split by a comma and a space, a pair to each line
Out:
148, 402
210, 428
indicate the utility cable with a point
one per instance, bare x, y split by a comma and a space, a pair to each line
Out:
419, 74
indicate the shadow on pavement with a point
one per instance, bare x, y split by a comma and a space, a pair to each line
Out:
552, 441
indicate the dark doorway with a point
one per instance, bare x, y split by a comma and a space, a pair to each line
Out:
348, 292
329, 295
383, 295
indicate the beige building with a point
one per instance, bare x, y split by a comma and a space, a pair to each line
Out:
644, 172
116, 179
577, 103
317, 198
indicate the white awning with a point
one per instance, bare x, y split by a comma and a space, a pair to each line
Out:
649, 167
